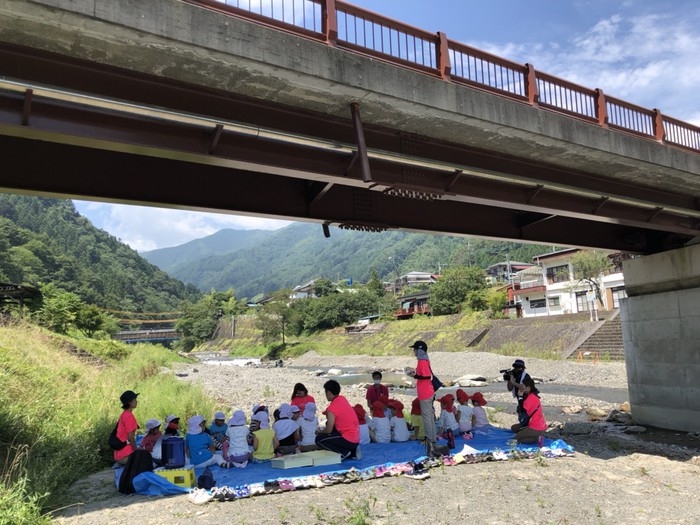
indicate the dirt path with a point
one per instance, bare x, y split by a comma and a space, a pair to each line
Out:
614, 478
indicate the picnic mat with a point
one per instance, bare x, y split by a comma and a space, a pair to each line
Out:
488, 440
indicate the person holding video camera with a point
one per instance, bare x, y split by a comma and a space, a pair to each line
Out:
515, 377
531, 428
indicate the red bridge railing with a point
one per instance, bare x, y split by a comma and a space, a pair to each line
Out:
344, 25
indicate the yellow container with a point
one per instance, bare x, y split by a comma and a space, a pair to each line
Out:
182, 477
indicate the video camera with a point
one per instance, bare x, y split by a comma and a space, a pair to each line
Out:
507, 373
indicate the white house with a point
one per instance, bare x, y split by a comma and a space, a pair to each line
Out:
550, 288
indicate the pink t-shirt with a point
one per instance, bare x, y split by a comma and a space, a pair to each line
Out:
533, 408
301, 401
424, 387
345, 419
127, 424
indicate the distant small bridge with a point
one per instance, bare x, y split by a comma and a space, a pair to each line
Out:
148, 336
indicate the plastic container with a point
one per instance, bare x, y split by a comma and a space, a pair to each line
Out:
173, 452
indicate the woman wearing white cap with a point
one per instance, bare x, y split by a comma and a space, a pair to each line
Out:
152, 434
199, 445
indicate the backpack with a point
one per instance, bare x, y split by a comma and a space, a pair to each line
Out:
114, 442
206, 480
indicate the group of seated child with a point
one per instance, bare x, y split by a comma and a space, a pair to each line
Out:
295, 425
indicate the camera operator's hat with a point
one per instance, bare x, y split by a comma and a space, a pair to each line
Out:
419, 345
519, 363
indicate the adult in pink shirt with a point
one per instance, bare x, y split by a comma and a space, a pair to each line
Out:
533, 430
300, 396
425, 392
342, 431
126, 427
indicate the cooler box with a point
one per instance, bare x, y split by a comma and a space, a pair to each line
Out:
292, 461
183, 477
173, 452
324, 457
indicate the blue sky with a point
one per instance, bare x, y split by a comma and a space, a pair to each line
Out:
642, 51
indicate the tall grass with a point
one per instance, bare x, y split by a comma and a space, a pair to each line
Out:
56, 411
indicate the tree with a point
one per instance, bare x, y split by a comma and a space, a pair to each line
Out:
374, 285
59, 309
589, 267
199, 320
453, 289
275, 316
323, 287
89, 319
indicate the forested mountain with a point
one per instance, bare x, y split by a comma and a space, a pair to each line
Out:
223, 241
299, 252
47, 241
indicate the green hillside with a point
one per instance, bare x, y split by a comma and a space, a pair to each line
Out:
57, 409
224, 241
47, 241
299, 252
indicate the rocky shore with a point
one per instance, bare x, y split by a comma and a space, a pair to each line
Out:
618, 475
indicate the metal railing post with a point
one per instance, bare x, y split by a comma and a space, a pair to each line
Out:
659, 132
443, 56
531, 90
329, 16
601, 108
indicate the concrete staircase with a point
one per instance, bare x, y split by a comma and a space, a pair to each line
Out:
606, 341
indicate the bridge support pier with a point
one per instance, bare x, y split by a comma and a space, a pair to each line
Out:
661, 333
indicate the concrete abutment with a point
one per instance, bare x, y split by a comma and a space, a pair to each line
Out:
661, 332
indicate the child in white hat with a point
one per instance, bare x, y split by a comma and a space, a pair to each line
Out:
153, 433
239, 452
199, 445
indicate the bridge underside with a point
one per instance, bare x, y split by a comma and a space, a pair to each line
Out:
295, 164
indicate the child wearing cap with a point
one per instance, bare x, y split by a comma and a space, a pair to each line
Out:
416, 420
286, 431
199, 445
447, 420
239, 452
362, 420
264, 440
153, 433
308, 424
399, 428
464, 412
479, 419
218, 429
379, 425
172, 425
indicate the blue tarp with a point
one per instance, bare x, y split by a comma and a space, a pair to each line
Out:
373, 454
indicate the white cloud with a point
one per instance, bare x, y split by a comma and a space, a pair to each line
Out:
646, 59
146, 228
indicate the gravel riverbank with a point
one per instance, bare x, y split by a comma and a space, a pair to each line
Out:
614, 478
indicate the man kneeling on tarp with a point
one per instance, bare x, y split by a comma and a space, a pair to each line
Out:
342, 432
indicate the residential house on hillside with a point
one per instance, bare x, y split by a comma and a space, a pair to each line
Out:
414, 279
503, 271
550, 287
302, 291
412, 304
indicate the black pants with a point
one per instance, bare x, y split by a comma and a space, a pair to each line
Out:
336, 443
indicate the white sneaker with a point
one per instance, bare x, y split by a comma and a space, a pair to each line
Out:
200, 496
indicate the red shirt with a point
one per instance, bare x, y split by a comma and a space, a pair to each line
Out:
345, 419
374, 392
127, 424
533, 408
301, 401
424, 387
